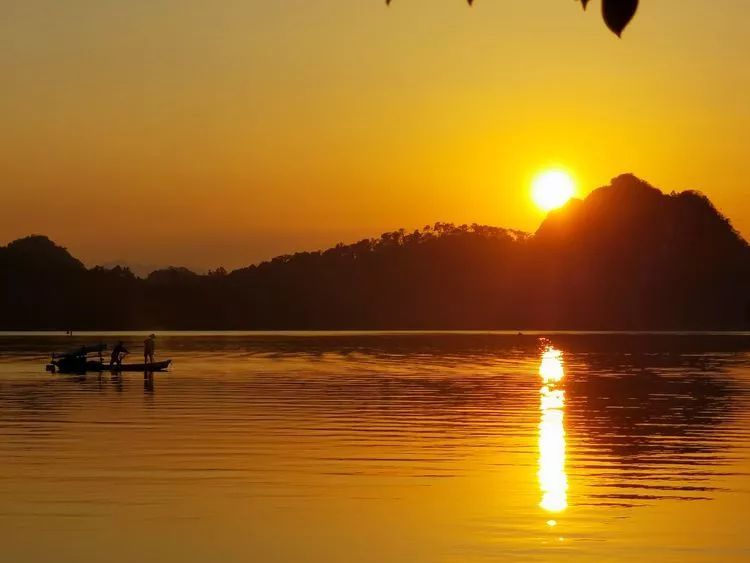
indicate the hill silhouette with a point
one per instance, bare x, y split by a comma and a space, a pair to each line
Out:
630, 256
627, 257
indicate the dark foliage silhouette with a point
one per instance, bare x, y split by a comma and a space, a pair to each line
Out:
617, 14
627, 257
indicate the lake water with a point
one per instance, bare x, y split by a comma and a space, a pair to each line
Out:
380, 448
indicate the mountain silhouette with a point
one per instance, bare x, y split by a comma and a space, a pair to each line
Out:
626, 257
632, 257
37, 253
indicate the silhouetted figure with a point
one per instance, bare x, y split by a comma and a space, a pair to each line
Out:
118, 352
149, 347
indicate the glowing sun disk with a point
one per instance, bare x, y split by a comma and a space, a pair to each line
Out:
552, 189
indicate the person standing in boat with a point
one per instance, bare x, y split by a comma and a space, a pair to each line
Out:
149, 347
118, 352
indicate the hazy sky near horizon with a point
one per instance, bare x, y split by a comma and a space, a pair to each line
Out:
196, 133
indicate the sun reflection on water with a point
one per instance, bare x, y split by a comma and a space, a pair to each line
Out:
553, 480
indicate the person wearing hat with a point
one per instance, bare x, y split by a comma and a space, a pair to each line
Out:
149, 347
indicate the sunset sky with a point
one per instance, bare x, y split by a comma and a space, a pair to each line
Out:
187, 132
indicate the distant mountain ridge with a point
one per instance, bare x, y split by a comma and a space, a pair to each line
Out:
627, 257
139, 269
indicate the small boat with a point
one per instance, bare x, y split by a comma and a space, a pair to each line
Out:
77, 361
82, 365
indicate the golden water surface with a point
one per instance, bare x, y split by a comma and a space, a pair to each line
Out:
368, 447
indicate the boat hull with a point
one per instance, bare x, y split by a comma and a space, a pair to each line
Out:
84, 366
155, 366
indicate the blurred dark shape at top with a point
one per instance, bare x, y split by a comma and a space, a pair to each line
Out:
628, 257
616, 13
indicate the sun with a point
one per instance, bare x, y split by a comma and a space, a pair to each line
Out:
552, 189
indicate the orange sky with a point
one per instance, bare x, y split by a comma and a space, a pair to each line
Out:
178, 132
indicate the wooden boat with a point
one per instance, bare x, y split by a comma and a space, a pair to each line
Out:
154, 366
77, 361
82, 365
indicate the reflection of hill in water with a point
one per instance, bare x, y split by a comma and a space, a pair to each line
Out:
661, 430
650, 416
